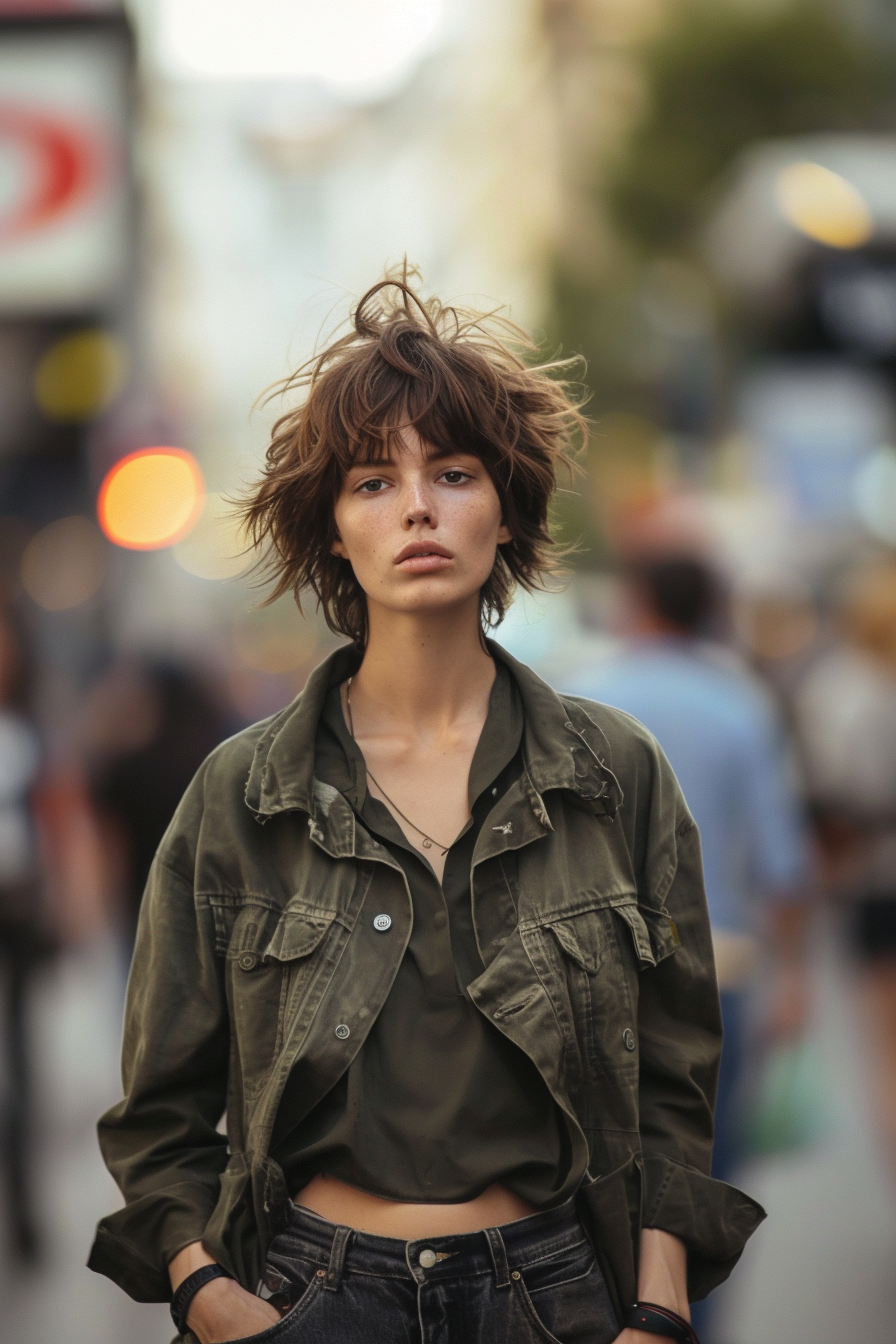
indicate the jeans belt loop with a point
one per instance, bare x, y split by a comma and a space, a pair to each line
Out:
499, 1256
341, 1238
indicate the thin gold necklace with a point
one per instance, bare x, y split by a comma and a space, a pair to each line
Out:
428, 841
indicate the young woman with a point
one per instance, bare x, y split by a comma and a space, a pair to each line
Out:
433, 939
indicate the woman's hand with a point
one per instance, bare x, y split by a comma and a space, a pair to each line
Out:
223, 1310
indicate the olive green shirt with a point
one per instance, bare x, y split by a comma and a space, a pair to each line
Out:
439, 1104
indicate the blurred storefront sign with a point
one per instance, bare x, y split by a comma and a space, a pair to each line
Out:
64, 197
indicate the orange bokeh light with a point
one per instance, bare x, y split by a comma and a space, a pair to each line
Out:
151, 498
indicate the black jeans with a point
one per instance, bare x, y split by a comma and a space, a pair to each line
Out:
527, 1282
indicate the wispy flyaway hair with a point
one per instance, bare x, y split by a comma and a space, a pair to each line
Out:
460, 379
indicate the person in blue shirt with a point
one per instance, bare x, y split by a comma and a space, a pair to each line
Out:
726, 743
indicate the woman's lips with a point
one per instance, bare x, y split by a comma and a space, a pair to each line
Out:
424, 564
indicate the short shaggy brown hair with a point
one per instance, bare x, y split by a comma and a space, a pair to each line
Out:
458, 378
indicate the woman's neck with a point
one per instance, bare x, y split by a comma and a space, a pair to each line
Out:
424, 672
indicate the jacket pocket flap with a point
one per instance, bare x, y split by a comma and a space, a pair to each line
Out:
584, 957
297, 934
663, 932
653, 932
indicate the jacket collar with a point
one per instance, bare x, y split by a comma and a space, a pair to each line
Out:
563, 747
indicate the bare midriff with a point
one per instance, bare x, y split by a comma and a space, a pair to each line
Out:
341, 1203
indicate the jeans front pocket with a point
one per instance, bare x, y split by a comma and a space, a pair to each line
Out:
566, 1300
288, 1330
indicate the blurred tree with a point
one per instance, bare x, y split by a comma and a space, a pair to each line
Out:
719, 78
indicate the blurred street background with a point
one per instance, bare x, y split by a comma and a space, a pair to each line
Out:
696, 196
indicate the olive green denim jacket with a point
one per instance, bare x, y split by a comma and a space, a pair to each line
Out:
256, 943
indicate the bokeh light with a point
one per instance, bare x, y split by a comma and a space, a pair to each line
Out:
64, 563
823, 205
217, 547
151, 498
355, 46
80, 375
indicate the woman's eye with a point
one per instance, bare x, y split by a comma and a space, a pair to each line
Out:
455, 477
372, 487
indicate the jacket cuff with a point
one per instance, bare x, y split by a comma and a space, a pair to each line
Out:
133, 1246
714, 1220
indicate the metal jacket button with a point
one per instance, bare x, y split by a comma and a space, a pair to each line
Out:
382, 922
342, 1031
628, 1037
248, 961
428, 1258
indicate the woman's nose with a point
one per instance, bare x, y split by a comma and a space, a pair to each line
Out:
418, 506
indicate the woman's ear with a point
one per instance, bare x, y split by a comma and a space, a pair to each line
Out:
338, 548
504, 534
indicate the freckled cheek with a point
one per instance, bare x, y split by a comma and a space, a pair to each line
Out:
476, 528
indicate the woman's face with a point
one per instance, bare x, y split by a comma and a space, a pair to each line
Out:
420, 532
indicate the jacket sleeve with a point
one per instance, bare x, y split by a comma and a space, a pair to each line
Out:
161, 1142
680, 1040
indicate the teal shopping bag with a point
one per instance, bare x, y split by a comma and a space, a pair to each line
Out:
789, 1107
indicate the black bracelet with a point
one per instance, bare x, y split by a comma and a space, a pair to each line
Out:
186, 1291
656, 1320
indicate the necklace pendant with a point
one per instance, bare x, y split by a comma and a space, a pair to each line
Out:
427, 844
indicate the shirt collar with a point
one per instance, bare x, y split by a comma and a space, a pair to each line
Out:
563, 746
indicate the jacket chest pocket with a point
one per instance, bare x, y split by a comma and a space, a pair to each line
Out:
593, 954
274, 960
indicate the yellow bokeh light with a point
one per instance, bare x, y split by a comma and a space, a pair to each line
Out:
79, 376
64, 563
823, 205
151, 498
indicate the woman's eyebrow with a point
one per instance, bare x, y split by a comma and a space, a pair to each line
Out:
372, 463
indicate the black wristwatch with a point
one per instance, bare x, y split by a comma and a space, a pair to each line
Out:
186, 1291
656, 1320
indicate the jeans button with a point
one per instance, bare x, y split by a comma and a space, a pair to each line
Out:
382, 922
427, 1258
342, 1031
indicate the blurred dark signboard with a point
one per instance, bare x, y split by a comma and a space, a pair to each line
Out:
65, 208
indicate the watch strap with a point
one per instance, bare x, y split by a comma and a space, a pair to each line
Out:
657, 1320
186, 1291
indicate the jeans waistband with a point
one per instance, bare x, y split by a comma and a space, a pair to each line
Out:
496, 1250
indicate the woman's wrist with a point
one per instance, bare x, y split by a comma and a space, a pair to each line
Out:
662, 1275
186, 1262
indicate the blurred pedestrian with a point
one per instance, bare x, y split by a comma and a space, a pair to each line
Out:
846, 716
150, 725
724, 741
24, 936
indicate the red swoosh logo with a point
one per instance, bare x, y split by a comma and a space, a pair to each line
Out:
64, 166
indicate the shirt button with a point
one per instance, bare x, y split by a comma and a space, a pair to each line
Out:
342, 1031
382, 922
628, 1037
428, 1258
248, 961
